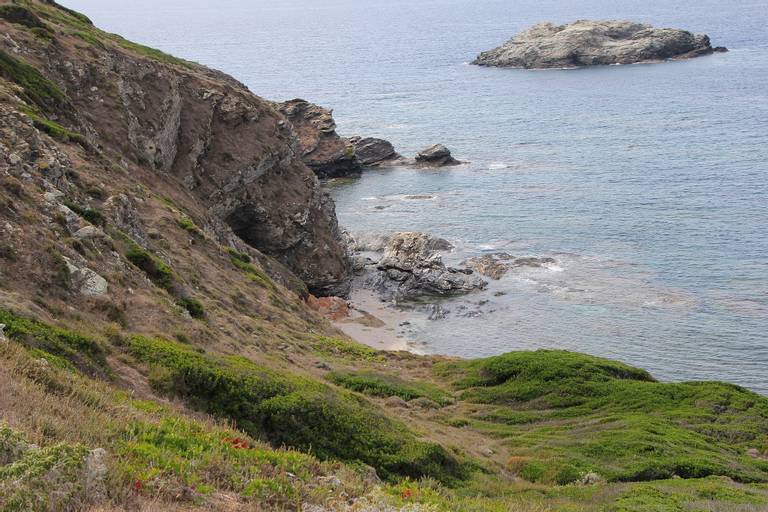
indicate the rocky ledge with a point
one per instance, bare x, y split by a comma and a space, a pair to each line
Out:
410, 266
594, 43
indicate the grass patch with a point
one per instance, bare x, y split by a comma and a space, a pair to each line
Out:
293, 411
386, 385
22, 16
336, 347
572, 414
93, 216
53, 128
55, 344
37, 89
156, 269
253, 273
90, 38
161, 275
193, 307
189, 225
49, 478
151, 53
81, 19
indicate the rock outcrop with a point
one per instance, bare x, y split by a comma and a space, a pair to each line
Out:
373, 152
435, 156
327, 154
196, 128
594, 43
497, 264
411, 267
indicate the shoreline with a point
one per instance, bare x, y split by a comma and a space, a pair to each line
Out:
376, 324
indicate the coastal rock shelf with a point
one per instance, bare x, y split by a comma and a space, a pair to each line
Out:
595, 43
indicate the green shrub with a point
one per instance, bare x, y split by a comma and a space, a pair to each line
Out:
386, 385
243, 262
570, 412
336, 347
90, 38
41, 479
157, 271
193, 306
82, 352
93, 216
82, 19
22, 16
296, 412
37, 89
188, 224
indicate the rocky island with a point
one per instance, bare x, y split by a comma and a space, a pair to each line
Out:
595, 43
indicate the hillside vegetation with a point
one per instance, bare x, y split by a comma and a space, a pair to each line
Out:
151, 359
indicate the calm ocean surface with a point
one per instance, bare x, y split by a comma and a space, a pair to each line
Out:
647, 183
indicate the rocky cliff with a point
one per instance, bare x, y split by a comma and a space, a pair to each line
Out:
154, 114
593, 43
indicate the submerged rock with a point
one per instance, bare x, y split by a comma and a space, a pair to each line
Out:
435, 156
497, 264
593, 43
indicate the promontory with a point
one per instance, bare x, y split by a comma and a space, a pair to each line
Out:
594, 43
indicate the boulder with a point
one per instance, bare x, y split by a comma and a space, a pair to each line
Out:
411, 267
85, 280
435, 156
373, 152
594, 43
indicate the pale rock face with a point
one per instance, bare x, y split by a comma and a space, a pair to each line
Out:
593, 43
85, 280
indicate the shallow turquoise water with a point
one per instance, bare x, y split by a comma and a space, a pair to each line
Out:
648, 183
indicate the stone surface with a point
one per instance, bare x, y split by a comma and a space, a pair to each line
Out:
435, 156
85, 280
327, 154
497, 264
373, 152
194, 128
592, 43
410, 267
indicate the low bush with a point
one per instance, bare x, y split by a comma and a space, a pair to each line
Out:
53, 343
294, 411
386, 385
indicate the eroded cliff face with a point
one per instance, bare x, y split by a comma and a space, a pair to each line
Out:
321, 148
229, 148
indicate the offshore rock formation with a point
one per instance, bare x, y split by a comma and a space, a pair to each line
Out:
329, 155
497, 264
373, 152
411, 267
435, 156
198, 127
593, 43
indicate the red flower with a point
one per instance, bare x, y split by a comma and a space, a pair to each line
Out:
406, 494
138, 486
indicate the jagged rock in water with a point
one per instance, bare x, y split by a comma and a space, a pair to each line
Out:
497, 264
327, 154
373, 152
594, 43
411, 267
435, 156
